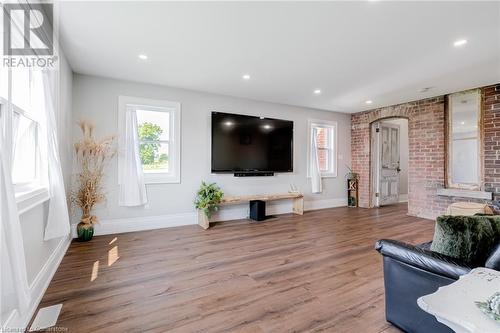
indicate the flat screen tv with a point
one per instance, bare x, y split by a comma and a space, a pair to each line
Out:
248, 144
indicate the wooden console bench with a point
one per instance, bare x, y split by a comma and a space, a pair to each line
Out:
297, 198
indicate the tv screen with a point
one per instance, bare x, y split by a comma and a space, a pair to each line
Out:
247, 143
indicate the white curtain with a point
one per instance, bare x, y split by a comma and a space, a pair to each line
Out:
317, 186
130, 175
58, 224
10, 228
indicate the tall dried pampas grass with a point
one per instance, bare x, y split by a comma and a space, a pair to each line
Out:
92, 156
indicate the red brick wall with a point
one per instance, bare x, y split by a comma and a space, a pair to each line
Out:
322, 141
426, 131
491, 125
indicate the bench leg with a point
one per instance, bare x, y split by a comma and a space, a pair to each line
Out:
298, 206
203, 220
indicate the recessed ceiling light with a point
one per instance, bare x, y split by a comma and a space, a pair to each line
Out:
369, 102
317, 91
462, 123
460, 42
246, 77
143, 57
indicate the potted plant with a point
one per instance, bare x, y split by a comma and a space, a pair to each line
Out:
208, 198
352, 188
351, 174
92, 156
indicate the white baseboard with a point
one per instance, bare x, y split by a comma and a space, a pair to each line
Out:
121, 225
403, 198
39, 285
236, 212
323, 204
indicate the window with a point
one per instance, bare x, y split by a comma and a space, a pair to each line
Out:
153, 130
326, 140
158, 127
25, 150
21, 126
464, 140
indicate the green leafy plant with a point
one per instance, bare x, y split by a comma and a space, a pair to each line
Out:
208, 197
148, 151
351, 174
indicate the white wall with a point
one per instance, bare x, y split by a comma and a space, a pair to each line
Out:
96, 99
43, 257
404, 149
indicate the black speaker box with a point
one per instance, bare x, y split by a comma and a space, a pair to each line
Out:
258, 210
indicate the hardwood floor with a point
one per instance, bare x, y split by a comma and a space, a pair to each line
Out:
311, 273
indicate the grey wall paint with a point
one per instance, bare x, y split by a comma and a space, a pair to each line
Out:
96, 99
36, 250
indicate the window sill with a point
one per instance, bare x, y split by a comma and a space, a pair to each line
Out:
151, 179
455, 192
28, 199
325, 175
328, 175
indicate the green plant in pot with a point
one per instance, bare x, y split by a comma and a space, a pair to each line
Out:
92, 156
351, 174
208, 198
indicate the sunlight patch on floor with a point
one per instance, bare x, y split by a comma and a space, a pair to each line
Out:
113, 255
46, 317
95, 271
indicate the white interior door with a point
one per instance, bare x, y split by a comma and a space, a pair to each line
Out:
387, 163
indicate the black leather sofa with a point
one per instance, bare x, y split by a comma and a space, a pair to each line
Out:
412, 271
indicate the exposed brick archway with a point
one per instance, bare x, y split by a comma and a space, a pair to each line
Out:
426, 164
426, 158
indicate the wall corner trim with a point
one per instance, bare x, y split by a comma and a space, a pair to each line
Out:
40, 285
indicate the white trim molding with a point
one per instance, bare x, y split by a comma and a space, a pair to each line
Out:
325, 203
236, 212
174, 108
333, 126
40, 285
131, 224
29, 200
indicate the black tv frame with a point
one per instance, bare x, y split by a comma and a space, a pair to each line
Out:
248, 173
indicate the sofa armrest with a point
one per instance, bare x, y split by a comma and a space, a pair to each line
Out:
424, 259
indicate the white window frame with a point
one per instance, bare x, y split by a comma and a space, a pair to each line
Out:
332, 126
36, 182
174, 108
37, 187
464, 186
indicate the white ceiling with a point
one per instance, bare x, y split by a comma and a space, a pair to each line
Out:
353, 51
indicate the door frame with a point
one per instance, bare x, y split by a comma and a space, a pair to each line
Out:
375, 165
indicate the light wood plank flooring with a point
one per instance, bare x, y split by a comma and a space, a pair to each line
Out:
313, 273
